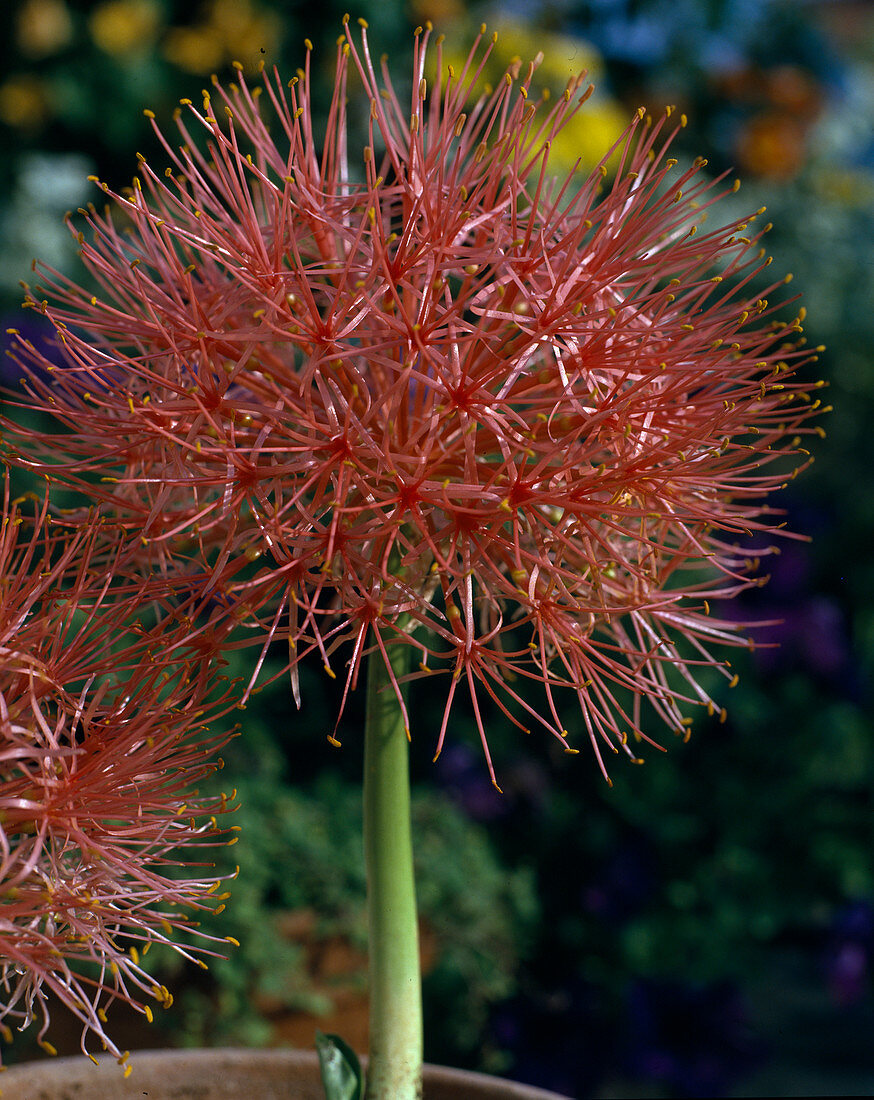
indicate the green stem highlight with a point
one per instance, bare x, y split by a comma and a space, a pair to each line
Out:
395, 1067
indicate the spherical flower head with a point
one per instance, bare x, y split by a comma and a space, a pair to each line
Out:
104, 840
518, 423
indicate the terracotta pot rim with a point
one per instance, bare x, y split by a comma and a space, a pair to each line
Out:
72, 1070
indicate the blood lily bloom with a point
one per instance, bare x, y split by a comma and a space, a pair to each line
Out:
434, 387
103, 739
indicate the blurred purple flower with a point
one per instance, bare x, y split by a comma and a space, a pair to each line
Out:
848, 953
559, 1039
801, 628
623, 884
468, 786
38, 332
694, 1040
459, 770
812, 635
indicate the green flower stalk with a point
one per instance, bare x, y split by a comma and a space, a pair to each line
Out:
395, 988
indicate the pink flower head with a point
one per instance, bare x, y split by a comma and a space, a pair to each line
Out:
103, 738
522, 425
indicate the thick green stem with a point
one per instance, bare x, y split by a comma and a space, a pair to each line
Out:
395, 1067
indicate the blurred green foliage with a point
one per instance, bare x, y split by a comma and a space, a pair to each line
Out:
300, 852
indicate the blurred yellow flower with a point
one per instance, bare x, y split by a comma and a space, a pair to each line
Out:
43, 27
589, 135
246, 29
194, 49
599, 122
122, 27
24, 103
438, 11
563, 55
230, 30
853, 188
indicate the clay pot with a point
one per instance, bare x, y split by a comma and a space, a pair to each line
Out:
224, 1075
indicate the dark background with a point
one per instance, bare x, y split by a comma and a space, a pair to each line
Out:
706, 927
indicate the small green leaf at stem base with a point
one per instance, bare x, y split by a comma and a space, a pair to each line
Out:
341, 1070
